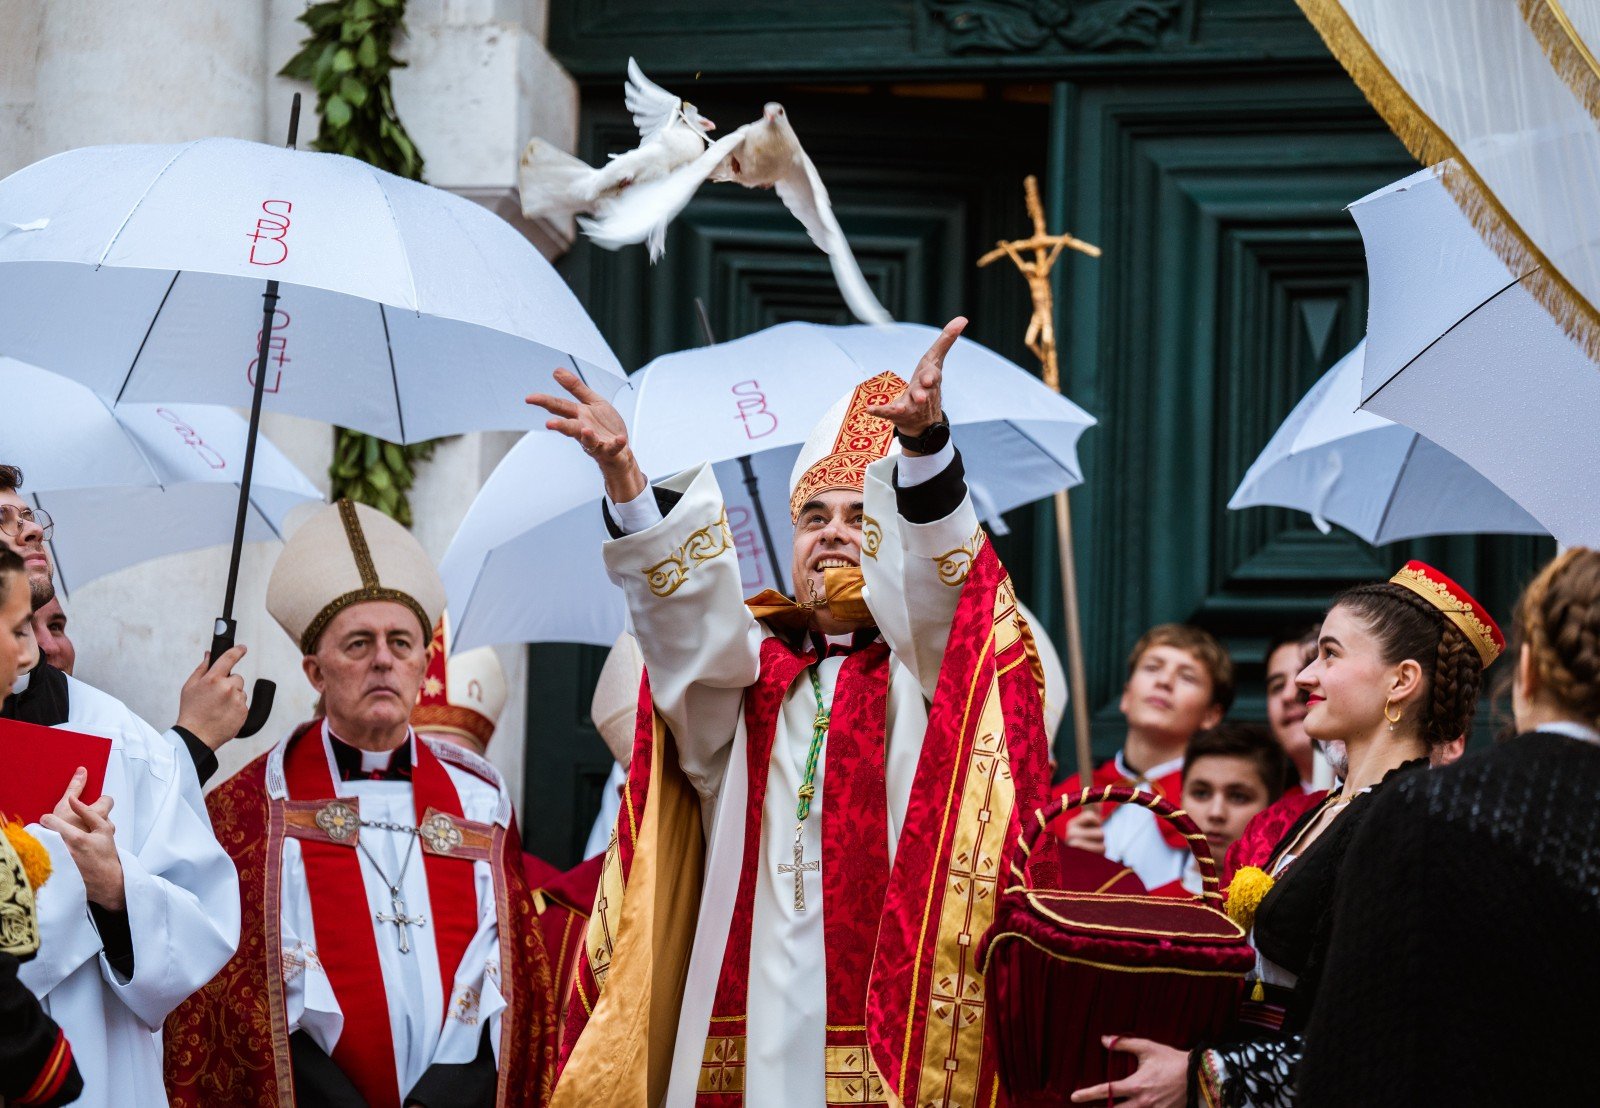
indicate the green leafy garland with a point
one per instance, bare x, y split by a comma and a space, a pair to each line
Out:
347, 58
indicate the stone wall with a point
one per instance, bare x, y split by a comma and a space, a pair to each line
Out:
81, 72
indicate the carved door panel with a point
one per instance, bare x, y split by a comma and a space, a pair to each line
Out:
1232, 279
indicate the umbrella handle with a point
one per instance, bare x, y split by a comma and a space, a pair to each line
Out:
264, 692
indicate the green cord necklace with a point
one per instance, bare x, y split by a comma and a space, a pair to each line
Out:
808, 790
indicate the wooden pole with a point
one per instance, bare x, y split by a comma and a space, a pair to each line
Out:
1041, 342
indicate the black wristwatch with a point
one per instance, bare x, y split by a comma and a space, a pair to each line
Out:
931, 441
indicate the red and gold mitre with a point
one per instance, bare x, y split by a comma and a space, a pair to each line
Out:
1457, 605
462, 694
846, 441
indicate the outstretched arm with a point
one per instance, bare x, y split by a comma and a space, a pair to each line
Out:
680, 573
922, 531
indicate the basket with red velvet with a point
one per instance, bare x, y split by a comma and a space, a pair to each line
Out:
1065, 968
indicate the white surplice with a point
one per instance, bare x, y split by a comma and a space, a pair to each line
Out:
701, 647
1134, 834
183, 911
421, 1034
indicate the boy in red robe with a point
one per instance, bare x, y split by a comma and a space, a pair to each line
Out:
1180, 682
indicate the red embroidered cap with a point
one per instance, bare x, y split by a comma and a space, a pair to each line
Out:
1458, 606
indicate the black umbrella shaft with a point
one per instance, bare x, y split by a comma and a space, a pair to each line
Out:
269, 309
754, 489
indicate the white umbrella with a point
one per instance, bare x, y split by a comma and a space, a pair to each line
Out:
405, 311
137, 482
525, 565
1460, 351
387, 306
1509, 92
1382, 481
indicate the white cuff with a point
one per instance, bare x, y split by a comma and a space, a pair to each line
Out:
639, 514
924, 467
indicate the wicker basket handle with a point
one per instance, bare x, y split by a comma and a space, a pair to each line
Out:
1120, 794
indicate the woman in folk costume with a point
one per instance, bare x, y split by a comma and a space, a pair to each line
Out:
846, 773
1396, 674
389, 953
1476, 894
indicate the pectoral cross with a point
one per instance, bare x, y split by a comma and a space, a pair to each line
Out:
800, 868
402, 922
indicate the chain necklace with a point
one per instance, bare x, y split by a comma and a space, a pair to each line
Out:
808, 790
397, 905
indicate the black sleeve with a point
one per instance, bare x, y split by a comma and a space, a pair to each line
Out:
318, 1080
459, 1085
666, 500
115, 938
936, 497
33, 1052
204, 758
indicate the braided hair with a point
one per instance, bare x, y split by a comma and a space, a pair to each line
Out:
1407, 626
1558, 618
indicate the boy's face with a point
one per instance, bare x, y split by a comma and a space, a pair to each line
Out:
1222, 792
1169, 695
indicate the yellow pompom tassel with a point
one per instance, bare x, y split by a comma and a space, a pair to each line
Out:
1245, 891
31, 852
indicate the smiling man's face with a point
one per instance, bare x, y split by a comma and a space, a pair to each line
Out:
27, 539
827, 535
368, 666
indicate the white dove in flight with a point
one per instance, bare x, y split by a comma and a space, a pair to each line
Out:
555, 185
764, 154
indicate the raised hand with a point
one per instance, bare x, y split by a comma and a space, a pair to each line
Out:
590, 421
920, 405
88, 834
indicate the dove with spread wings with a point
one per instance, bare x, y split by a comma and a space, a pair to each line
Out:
765, 154
555, 185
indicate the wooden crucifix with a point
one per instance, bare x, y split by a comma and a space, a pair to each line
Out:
1045, 248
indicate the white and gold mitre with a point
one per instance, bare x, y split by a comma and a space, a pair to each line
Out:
350, 554
845, 442
463, 693
615, 707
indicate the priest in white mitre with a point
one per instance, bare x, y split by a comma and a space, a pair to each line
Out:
389, 956
803, 733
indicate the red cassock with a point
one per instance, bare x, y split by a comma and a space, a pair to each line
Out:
1265, 830
229, 1042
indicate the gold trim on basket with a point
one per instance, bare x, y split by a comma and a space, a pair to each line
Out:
988, 956
1164, 901
1429, 144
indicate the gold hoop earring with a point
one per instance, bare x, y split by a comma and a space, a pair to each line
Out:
1394, 719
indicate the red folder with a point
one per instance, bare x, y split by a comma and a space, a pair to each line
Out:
37, 764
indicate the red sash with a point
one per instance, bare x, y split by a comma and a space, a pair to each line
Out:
349, 951
855, 868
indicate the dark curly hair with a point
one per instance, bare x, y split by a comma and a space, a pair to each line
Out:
10, 478
1407, 626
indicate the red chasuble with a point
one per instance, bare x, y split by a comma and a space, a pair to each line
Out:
984, 762
229, 1042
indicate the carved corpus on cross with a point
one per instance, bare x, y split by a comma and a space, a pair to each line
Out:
800, 868
1041, 342
402, 922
